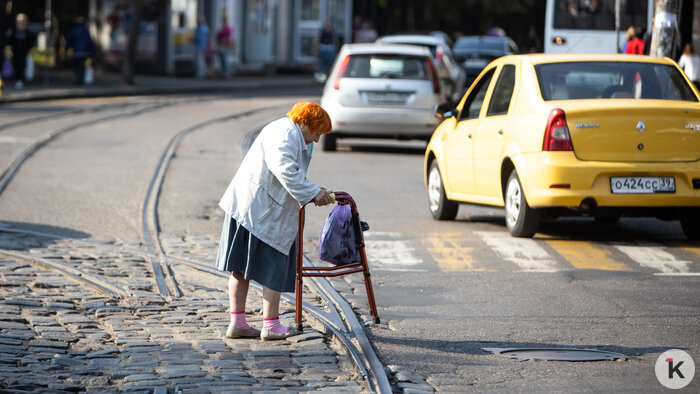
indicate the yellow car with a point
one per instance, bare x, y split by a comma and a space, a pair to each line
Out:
554, 135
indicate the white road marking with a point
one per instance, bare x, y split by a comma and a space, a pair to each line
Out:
653, 256
393, 253
677, 274
524, 252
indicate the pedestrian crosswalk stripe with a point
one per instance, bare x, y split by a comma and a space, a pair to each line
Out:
653, 256
449, 254
392, 253
584, 255
524, 252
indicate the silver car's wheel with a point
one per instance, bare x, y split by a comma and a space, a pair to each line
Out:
440, 207
521, 220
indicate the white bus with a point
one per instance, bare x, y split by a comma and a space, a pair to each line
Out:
588, 26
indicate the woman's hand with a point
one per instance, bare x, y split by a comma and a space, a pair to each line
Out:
323, 198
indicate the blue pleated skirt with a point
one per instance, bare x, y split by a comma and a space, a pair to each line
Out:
239, 250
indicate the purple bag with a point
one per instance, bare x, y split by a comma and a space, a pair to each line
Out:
338, 244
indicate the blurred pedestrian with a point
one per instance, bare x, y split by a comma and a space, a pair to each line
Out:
21, 42
366, 33
690, 63
209, 59
224, 42
533, 41
259, 235
80, 42
629, 35
635, 46
201, 35
356, 26
326, 48
647, 38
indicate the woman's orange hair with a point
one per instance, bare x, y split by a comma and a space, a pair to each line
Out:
312, 115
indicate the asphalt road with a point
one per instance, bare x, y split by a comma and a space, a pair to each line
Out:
445, 290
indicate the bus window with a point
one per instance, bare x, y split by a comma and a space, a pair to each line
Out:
598, 14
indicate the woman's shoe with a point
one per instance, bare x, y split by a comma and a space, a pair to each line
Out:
237, 332
267, 335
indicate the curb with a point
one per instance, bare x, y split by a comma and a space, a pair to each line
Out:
150, 91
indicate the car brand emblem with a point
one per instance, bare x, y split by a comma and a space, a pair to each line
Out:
587, 125
641, 127
693, 126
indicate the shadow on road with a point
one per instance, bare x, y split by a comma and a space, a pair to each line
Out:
25, 236
588, 229
370, 145
475, 347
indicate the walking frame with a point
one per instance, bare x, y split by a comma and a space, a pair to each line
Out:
356, 266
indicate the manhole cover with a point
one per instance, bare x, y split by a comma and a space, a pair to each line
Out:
557, 354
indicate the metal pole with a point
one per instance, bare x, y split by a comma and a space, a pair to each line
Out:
617, 25
49, 41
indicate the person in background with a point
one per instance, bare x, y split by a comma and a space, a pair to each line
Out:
224, 42
647, 37
209, 59
261, 224
690, 63
629, 35
356, 26
533, 41
80, 42
327, 48
201, 35
635, 46
21, 41
366, 34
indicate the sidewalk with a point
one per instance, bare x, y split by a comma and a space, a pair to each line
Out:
106, 85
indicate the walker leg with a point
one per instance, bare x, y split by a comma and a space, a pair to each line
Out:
298, 303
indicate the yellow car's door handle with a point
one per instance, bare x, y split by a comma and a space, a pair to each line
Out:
500, 132
469, 135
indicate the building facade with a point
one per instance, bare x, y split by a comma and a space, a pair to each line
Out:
268, 34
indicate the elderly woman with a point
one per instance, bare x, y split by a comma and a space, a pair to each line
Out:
258, 240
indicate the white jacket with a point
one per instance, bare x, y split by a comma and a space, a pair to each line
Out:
265, 193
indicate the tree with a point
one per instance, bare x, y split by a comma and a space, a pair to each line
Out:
665, 36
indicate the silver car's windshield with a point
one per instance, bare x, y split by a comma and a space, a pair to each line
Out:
611, 80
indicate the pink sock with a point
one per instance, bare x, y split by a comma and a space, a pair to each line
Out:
238, 319
274, 325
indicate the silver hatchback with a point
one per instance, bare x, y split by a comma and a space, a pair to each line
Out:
381, 91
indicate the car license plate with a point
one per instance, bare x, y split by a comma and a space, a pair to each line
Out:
475, 63
386, 98
642, 184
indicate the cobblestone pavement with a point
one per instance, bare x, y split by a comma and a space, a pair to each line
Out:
57, 334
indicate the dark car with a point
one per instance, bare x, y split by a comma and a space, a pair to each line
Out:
473, 53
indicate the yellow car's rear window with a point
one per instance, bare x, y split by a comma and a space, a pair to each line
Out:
612, 80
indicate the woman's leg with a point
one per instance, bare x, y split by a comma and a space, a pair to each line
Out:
237, 294
238, 291
271, 303
272, 328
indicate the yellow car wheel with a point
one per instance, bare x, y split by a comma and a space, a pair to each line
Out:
521, 220
440, 207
